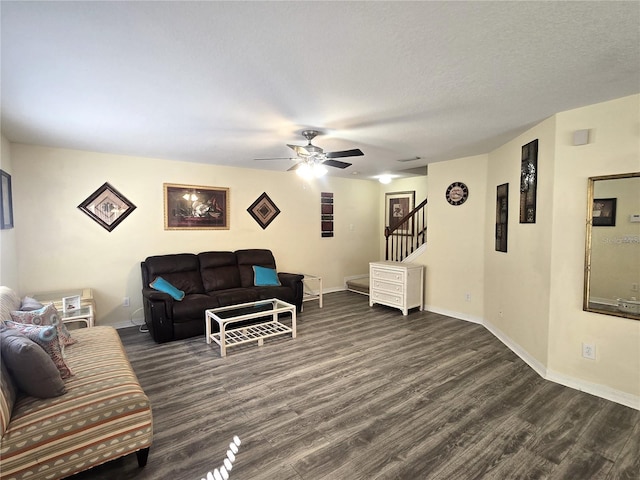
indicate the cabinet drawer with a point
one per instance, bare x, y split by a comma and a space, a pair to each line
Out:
388, 287
388, 275
387, 298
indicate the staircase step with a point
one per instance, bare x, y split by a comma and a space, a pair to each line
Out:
359, 285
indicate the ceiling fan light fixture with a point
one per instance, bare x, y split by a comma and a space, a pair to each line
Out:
319, 170
304, 171
313, 160
309, 170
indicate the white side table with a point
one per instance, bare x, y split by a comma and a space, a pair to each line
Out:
82, 314
55, 297
310, 294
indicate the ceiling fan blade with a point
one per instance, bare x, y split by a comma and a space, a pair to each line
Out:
295, 167
302, 151
356, 152
408, 159
336, 163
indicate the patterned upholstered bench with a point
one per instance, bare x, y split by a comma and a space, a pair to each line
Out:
103, 415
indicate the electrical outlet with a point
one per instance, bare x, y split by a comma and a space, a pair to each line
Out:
125, 302
589, 351
467, 297
634, 287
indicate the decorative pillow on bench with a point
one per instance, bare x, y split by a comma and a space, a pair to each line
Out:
31, 368
47, 315
29, 303
47, 337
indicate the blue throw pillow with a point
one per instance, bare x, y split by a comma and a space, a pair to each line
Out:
162, 285
265, 277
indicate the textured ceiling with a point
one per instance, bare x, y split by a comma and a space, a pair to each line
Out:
227, 82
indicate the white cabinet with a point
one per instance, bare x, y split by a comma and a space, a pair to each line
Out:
396, 284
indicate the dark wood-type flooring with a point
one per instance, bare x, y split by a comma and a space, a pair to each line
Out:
365, 393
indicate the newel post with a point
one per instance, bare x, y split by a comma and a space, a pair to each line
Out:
386, 243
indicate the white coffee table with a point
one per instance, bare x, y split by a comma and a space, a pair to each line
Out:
257, 332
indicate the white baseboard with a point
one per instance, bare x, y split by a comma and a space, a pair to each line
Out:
334, 289
450, 313
517, 349
602, 391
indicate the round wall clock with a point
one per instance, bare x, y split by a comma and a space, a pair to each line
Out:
457, 193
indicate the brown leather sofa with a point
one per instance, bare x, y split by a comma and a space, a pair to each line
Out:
209, 280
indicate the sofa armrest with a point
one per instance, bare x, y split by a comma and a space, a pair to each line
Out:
289, 279
158, 314
156, 295
293, 281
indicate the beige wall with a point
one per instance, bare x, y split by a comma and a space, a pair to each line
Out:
517, 282
8, 257
614, 148
456, 240
60, 247
531, 296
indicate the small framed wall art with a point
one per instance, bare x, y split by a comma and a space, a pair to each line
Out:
604, 212
194, 207
326, 214
263, 210
6, 201
528, 182
398, 205
502, 216
107, 207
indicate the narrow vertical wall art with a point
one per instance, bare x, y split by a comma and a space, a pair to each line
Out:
326, 214
528, 182
502, 215
6, 201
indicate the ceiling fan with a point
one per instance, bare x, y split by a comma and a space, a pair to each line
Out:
311, 155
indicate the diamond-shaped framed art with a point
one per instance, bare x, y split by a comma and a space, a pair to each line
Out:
263, 210
107, 207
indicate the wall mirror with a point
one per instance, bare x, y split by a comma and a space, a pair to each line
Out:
612, 257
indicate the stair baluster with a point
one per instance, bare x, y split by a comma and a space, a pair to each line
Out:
413, 226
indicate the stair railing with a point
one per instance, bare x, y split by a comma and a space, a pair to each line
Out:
408, 235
